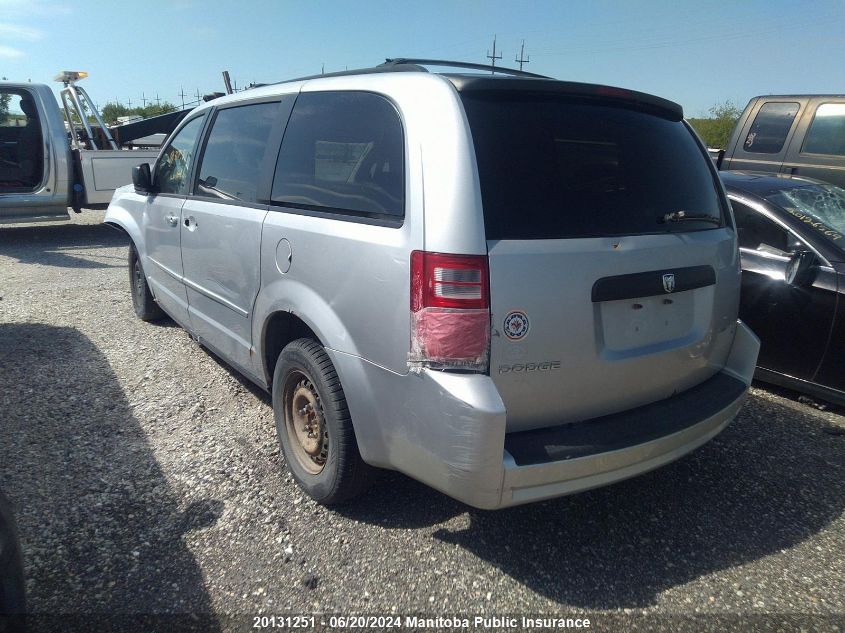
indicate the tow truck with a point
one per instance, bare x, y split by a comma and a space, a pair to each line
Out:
54, 158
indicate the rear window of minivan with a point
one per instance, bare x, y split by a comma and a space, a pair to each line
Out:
554, 167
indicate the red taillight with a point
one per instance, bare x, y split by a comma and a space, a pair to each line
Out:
450, 311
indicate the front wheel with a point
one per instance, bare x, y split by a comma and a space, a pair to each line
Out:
142, 299
314, 426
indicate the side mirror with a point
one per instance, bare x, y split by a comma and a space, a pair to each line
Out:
142, 179
801, 269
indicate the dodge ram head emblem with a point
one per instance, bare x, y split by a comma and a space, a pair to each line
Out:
669, 282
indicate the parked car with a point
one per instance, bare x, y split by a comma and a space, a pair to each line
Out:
12, 594
793, 278
801, 135
496, 285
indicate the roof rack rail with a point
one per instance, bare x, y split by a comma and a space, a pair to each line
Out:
407, 64
406, 61
381, 68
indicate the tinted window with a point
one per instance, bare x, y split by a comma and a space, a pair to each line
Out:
827, 132
174, 165
343, 151
556, 168
771, 125
231, 162
757, 232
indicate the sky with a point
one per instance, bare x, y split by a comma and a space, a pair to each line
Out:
696, 53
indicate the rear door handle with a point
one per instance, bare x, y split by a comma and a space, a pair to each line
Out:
172, 220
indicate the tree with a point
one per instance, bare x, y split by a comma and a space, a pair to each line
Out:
111, 111
5, 100
716, 129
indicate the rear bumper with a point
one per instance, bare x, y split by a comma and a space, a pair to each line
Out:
448, 431
562, 460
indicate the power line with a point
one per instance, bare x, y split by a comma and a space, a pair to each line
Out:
493, 57
522, 59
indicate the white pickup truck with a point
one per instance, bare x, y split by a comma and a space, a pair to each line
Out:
53, 158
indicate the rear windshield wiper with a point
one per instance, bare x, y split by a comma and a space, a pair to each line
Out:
683, 216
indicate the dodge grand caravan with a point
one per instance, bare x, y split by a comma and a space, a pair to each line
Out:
508, 287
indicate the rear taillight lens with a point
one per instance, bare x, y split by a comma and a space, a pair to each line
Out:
450, 311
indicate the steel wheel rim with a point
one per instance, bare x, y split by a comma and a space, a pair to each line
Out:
305, 423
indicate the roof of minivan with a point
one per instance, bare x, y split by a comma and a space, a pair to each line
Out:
475, 82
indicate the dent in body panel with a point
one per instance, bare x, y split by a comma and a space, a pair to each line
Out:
446, 430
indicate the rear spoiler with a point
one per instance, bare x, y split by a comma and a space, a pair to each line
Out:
591, 92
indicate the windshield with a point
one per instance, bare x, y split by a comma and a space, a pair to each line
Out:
553, 167
821, 207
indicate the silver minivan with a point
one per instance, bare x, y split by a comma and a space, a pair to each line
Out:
507, 287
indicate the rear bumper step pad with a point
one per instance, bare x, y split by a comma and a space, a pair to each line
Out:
627, 428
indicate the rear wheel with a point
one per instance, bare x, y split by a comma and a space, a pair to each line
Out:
314, 425
142, 299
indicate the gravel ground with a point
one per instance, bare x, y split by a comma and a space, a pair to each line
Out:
146, 478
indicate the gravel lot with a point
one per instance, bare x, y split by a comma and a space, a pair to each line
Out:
146, 478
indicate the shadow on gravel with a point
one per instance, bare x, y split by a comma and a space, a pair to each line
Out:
56, 245
100, 526
768, 482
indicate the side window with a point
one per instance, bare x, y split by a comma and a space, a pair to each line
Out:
827, 131
770, 128
759, 233
174, 164
231, 163
21, 142
343, 152
17, 109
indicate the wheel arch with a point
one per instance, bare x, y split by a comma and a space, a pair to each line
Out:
121, 219
280, 328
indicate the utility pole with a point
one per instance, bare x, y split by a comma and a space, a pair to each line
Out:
199, 96
158, 101
522, 59
182, 94
144, 100
493, 57
323, 69
130, 103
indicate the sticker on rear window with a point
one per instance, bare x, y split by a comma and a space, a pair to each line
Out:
516, 325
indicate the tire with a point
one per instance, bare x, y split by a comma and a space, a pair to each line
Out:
145, 305
319, 442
